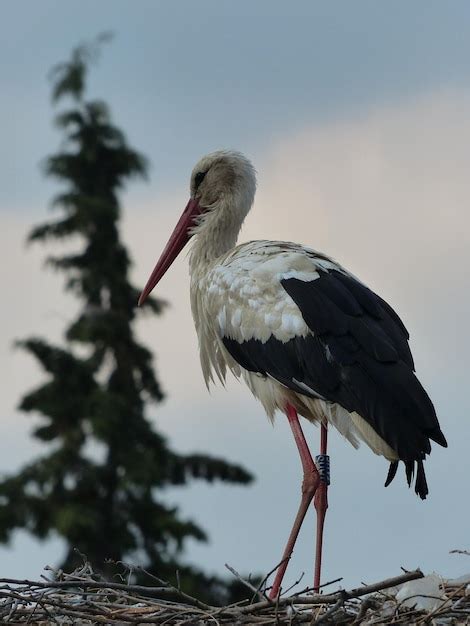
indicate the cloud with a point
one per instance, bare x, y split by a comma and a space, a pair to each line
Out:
387, 194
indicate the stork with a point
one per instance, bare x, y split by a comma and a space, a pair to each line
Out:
307, 337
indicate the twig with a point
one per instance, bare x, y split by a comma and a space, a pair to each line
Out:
246, 583
91, 584
467, 552
330, 612
386, 584
181, 594
263, 582
363, 610
294, 584
309, 589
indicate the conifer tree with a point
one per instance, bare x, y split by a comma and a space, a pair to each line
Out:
105, 500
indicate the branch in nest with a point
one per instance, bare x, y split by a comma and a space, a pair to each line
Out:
333, 598
467, 552
257, 591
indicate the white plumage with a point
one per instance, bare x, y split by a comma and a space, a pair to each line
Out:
241, 297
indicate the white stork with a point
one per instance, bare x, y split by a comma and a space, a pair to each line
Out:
307, 337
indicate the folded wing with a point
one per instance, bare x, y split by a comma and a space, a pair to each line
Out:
356, 354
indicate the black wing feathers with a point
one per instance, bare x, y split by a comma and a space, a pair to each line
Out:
301, 359
357, 356
378, 369
374, 339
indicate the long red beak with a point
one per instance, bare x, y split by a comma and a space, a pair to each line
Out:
179, 238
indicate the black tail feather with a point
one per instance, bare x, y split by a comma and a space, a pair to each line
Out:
391, 473
409, 470
421, 485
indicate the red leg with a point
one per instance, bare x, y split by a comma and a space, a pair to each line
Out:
321, 501
310, 483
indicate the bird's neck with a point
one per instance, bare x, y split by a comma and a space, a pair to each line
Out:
213, 238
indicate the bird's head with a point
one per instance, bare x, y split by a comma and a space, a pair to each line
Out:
222, 190
223, 177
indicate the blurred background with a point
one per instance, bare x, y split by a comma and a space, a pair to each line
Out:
357, 118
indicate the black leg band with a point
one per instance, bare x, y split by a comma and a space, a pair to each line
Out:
322, 461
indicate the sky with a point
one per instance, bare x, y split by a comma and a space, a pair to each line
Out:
357, 118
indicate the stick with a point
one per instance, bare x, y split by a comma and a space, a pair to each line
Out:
331, 611
247, 584
332, 598
87, 584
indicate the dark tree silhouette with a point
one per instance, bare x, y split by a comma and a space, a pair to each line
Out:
104, 500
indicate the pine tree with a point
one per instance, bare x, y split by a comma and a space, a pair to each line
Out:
106, 505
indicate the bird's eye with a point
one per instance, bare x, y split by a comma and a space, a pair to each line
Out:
199, 178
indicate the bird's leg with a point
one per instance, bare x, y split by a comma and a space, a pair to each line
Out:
310, 483
321, 501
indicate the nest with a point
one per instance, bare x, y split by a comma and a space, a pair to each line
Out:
84, 598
